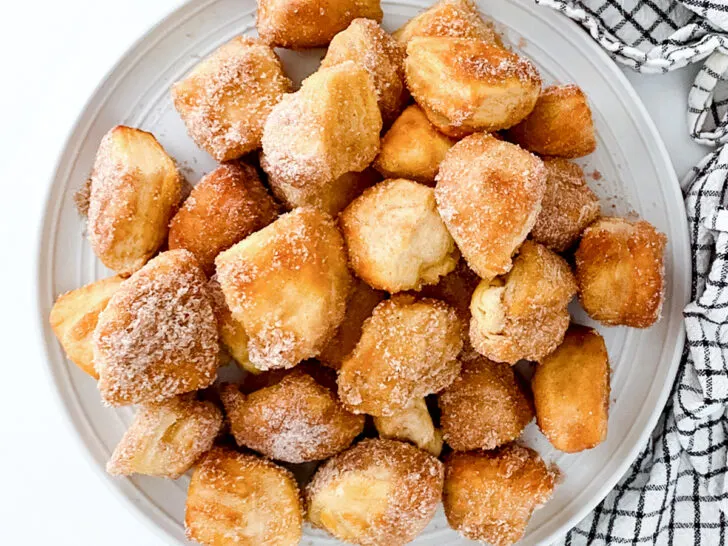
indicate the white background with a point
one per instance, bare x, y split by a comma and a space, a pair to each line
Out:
53, 53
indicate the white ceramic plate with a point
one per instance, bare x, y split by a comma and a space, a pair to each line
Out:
630, 171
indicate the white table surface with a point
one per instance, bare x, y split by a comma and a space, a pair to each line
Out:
53, 54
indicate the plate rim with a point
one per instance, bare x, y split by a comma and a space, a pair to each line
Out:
45, 336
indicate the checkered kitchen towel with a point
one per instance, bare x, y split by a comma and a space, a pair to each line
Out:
676, 492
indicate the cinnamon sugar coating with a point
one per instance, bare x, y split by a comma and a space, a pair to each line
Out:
408, 349
287, 284
226, 206
568, 206
396, 257
326, 129
559, 125
621, 272
366, 43
378, 492
455, 18
226, 99
489, 195
483, 408
295, 420
466, 86
300, 24
135, 188
242, 499
489, 496
157, 337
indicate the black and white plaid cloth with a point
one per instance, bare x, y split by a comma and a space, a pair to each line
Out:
676, 492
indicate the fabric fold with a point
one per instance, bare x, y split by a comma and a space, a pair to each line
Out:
676, 492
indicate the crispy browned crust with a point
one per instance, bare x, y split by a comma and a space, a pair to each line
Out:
484, 408
226, 99
560, 124
456, 18
489, 496
301, 24
242, 499
295, 421
74, 316
539, 278
395, 237
165, 439
489, 195
466, 86
326, 129
157, 336
568, 206
226, 206
523, 315
412, 148
366, 43
413, 424
408, 349
378, 492
571, 391
287, 284
621, 273
359, 307
135, 189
